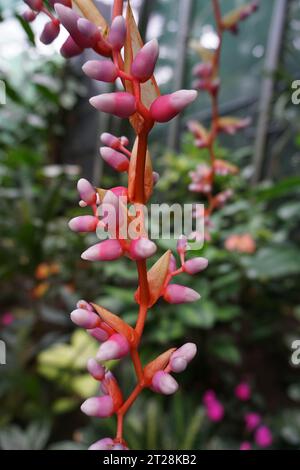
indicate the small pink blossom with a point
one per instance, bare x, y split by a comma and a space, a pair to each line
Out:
263, 437
243, 391
252, 421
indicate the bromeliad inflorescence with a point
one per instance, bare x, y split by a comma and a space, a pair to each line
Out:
126, 59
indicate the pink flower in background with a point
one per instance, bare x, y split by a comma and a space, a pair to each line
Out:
245, 446
7, 319
213, 407
241, 244
243, 391
252, 421
263, 437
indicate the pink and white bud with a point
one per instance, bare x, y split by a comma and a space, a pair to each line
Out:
142, 248
117, 33
124, 141
95, 369
109, 250
35, 5
182, 245
176, 294
85, 223
121, 104
173, 264
144, 63
69, 19
29, 15
50, 32
115, 348
110, 140
70, 49
86, 191
166, 107
195, 266
164, 383
99, 407
101, 70
99, 334
84, 305
182, 356
85, 319
116, 160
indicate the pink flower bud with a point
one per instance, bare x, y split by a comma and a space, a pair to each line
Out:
144, 63
245, 446
109, 250
99, 407
182, 356
85, 319
195, 265
99, 334
164, 383
117, 33
215, 411
85, 223
110, 140
70, 49
86, 191
176, 294
89, 30
172, 265
243, 391
29, 15
182, 245
166, 107
69, 19
82, 304
156, 177
50, 32
252, 421
209, 397
104, 444
121, 104
142, 248
116, 160
36, 5
203, 70
124, 141
101, 70
115, 348
263, 437
95, 369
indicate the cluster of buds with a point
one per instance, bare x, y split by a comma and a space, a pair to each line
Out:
124, 58
206, 73
262, 434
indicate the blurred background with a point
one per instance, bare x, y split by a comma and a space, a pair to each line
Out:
249, 314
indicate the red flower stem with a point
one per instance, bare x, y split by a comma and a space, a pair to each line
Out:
124, 408
118, 8
137, 364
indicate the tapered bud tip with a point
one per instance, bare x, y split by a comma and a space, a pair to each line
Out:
108, 250
104, 444
116, 160
84, 319
164, 383
86, 223
188, 351
195, 265
115, 348
181, 99
110, 140
101, 70
87, 191
176, 294
100, 407
120, 104
144, 63
95, 369
117, 34
87, 28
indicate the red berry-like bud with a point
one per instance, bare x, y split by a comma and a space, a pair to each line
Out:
50, 32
